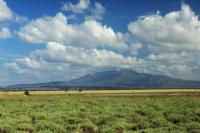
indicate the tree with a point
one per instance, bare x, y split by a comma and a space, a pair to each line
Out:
27, 93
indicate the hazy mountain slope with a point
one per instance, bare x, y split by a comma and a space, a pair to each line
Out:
117, 79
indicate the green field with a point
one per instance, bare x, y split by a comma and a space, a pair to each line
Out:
68, 112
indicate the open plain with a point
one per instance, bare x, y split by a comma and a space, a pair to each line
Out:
122, 111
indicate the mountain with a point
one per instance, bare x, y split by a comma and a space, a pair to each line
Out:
114, 79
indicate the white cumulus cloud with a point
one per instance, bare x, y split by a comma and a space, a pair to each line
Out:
175, 31
89, 33
97, 12
80, 7
56, 52
5, 12
5, 33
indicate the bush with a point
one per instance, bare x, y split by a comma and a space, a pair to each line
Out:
27, 93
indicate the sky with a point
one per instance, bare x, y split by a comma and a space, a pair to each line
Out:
59, 40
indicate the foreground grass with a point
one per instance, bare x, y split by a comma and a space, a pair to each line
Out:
99, 114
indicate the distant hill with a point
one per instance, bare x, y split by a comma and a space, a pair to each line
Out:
114, 79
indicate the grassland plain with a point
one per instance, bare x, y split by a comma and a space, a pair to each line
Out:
100, 112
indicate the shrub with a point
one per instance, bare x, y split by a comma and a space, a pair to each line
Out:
27, 93
193, 127
89, 127
175, 118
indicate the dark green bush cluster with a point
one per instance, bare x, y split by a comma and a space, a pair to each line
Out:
27, 93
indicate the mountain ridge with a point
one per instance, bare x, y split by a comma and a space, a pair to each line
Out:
114, 79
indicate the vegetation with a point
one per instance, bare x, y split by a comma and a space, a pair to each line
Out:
80, 113
26, 93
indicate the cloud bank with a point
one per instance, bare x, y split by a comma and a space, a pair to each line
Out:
158, 44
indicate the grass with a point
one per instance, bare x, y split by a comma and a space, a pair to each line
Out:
108, 92
99, 112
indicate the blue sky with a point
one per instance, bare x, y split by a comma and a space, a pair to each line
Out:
44, 41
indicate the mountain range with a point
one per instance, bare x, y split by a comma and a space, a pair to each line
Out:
113, 79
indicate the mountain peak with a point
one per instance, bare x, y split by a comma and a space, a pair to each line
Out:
119, 79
